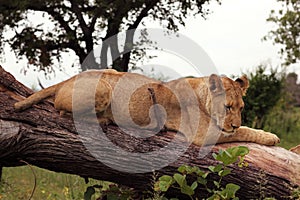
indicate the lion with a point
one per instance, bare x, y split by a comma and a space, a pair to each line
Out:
206, 110
296, 149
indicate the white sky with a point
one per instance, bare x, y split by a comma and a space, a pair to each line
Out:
233, 32
232, 37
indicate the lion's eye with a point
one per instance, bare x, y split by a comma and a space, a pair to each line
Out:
228, 108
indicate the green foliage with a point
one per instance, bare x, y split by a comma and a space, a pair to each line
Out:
262, 95
232, 155
284, 120
287, 19
114, 192
17, 183
269, 106
296, 193
199, 178
110, 192
90, 191
79, 25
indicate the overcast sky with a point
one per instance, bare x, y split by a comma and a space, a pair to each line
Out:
231, 36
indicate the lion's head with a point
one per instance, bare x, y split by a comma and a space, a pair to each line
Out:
227, 102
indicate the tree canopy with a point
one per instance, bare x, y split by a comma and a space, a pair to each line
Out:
287, 32
79, 25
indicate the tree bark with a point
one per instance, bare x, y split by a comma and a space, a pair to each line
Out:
41, 137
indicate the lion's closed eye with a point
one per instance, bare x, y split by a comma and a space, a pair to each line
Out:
228, 108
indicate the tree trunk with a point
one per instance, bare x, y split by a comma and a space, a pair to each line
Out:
42, 138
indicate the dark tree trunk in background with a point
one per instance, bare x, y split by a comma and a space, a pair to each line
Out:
41, 137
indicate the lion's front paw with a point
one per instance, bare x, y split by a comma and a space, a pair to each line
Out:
269, 138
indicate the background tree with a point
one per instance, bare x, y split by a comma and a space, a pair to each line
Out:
78, 25
288, 30
284, 118
264, 92
272, 104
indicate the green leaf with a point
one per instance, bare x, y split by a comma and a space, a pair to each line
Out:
185, 189
231, 155
230, 190
216, 183
215, 156
182, 169
164, 183
242, 163
211, 168
195, 169
224, 172
185, 169
214, 197
201, 173
216, 169
156, 186
240, 151
228, 153
166, 178
194, 185
164, 186
205, 175
90, 191
202, 180
180, 179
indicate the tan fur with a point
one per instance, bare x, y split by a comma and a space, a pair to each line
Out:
296, 149
203, 109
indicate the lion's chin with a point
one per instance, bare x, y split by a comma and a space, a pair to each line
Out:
227, 133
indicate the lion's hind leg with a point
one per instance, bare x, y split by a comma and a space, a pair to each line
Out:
103, 96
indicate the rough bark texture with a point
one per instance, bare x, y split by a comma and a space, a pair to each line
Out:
42, 138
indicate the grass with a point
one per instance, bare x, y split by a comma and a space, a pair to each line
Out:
285, 122
18, 183
289, 141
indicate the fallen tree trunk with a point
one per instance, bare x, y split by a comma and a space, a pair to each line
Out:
41, 137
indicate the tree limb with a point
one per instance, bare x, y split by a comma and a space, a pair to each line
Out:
40, 137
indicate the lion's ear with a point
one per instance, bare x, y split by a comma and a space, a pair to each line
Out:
215, 84
244, 83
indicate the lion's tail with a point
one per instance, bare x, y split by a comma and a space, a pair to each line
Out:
36, 98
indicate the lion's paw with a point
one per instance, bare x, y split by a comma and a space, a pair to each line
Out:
269, 138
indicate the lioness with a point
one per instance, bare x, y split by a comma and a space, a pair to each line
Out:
206, 110
296, 149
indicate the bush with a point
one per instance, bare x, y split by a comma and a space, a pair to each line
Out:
180, 181
263, 94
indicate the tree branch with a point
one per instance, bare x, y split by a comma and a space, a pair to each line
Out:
131, 31
39, 136
87, 32
149, 5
